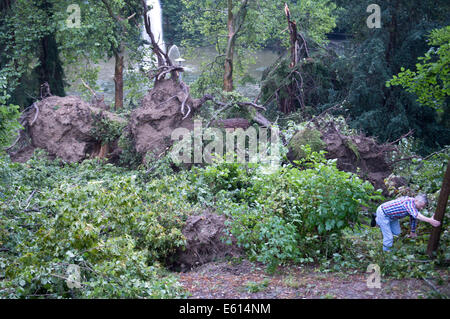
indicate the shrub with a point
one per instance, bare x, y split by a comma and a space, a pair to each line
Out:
291, 214
307, 136
99, 217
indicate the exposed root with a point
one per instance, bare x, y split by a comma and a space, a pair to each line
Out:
36, 115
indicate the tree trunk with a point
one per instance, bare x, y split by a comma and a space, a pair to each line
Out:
232, 123
118, 80
228, 75
287, 104
50, 67
433, 243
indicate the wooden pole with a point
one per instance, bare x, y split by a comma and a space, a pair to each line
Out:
433, 243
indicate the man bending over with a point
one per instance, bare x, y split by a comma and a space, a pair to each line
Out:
389, 213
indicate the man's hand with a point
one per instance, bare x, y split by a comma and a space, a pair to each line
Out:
434, 222
412, 235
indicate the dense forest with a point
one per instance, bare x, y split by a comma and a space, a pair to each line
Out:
125, 167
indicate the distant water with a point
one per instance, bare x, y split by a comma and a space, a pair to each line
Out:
263, 59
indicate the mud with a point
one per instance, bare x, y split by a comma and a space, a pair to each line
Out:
160, 114
205, 236
61, 126
359, 154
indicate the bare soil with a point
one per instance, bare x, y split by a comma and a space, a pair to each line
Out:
359, 154
61, 126
204, 234
231, 280
160, 114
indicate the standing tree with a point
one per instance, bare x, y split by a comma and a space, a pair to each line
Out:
431, 83
378, 54
107, 29
234, 27
29, 54
238, 28
50, 68
121, 14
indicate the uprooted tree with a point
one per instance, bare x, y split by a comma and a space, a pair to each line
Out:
169, 105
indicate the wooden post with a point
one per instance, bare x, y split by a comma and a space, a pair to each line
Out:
433, 243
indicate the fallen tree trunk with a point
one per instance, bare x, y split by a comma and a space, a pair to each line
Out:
232, 123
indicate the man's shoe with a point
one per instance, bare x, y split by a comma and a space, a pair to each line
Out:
373, 222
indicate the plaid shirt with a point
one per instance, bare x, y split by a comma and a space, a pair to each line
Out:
401, 207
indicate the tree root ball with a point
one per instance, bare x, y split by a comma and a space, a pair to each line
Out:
205, 242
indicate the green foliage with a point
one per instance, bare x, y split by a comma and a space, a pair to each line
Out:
129, 157
253, 287
105, 130
205, 22
287, 215
431, 80
308, 136
424, 175
323, 77
23, 27
99, 37
136, 85
173, 12
104, 219
408, 259
378, 54
9, 115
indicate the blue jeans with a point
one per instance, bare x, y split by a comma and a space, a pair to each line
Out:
389, 229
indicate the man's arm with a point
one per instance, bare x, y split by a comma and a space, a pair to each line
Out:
433, 222
413, 221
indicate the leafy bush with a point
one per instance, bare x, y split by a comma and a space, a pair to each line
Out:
8, 114
287, 215
105, 130
307, 136
104, 219
129, 157
362, 246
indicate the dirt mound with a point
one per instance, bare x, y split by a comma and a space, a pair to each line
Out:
204, 242
152, 124
357, 154
62, 126
361, 153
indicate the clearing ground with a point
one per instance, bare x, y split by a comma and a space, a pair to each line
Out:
242, 280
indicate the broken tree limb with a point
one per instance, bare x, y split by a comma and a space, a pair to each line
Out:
256, 106
167, 69
88, 87
155, 47
45, 90
232, 123
260, 119
257, 117
183, 104
225, 106
292, 27
13, 144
